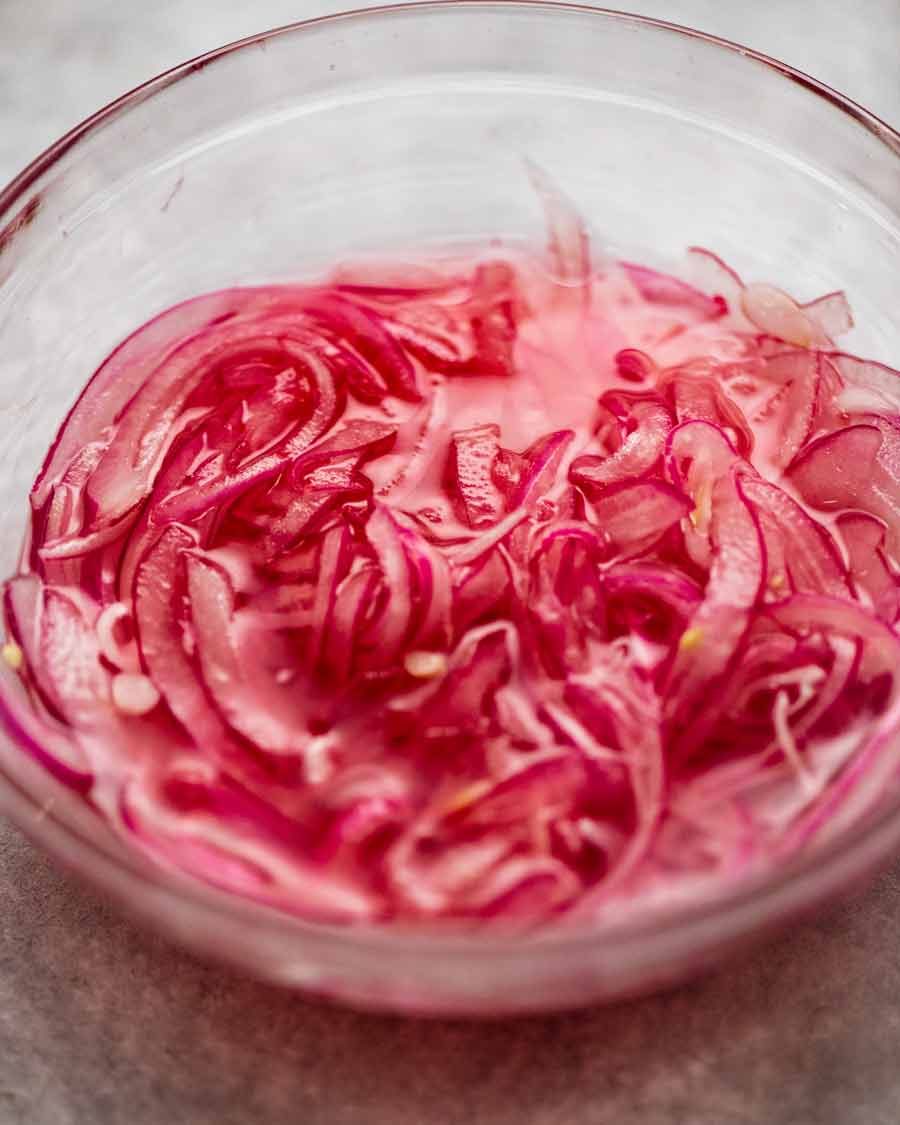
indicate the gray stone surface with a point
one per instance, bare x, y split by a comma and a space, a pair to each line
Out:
101, 1024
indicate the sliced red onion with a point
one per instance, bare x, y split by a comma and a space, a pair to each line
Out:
650, 597
830, 314
710, 645
638, 454
52, 745
215, 487
775, 313
841, 471
870, 387
462, 330
873, 573
353, 599
106, 395
115, 637
634, 365
799, 376
541, 464
471, 472
433, 589
388, 631
699, 396
294, 620
568, 245
462, 699
343, 320
798, 549
232, 843
239, 665
67, 663
168, 641
614, 700
714, 276
662, 289
481, 587
633, 516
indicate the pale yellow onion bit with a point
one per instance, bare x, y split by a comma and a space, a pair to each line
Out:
702, 512
425, 665
13, 655
133, 694
690, 639
777, 314
466, 796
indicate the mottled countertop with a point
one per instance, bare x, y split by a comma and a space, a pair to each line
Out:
101, 1024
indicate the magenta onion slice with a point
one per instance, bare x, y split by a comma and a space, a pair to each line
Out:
645, 425
238, 668
633, 516
661, 288
496, 589
472, 469
864, 538
800, 553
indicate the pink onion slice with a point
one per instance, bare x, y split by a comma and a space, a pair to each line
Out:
848, 469
834, 470
230, 840
711, 643
459, 330
714, 276
660, 288
633, 516
798, 376
808, 555
214, 487
831, 314
864, 539
67, 663
471, 471
104, 398
871, 387
638, 454
49, 743
568, 243
777, 314
389, 630
168, 641
240, 665
698, 396
342, 320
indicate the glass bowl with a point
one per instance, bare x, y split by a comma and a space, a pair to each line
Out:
273, 157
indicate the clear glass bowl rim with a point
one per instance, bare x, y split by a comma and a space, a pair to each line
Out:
857, 848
